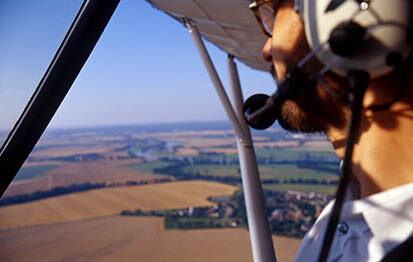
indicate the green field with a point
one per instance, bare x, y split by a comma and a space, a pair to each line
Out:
291, 171
324, 189
33, 172
280, 171
213, 170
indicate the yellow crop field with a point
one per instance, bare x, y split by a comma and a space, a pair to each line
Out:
110, 201
186, 151
141, 239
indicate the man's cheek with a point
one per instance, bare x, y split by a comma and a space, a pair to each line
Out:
280, 69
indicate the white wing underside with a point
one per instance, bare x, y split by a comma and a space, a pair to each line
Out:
229, 24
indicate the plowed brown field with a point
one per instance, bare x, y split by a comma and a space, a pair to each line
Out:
110, 201
125, 239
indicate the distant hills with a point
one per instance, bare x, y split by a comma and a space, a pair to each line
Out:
156, 127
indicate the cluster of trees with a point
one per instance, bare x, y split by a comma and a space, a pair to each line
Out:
177, 222
208, 158
287, 228
240, 211
329, 167
144, 182
56, 191
311, 181
79, 157
138, 212
177, 170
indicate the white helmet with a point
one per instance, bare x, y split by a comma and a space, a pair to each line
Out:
356, 34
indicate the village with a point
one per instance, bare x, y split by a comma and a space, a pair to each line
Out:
290, 213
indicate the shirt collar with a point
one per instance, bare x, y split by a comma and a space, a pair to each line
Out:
388, 214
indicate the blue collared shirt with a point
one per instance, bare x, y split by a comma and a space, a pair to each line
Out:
368, 228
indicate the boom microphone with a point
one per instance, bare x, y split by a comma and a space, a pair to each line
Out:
261, 111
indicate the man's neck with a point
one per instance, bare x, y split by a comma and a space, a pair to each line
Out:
382, 157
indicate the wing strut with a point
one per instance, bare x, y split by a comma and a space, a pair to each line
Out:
260, 235
69, 59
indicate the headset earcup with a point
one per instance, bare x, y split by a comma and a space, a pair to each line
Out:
252, 104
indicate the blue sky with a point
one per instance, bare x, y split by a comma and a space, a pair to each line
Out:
144, 69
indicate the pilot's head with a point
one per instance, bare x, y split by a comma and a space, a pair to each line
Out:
294, 34
285, 49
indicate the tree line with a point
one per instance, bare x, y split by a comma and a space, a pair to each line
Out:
75, 188
176, 169
56, 191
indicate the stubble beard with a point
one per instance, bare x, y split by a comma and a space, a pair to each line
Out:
315, 111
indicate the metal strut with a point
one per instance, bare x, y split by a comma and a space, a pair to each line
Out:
260, 235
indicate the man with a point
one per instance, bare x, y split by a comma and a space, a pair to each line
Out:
379, 215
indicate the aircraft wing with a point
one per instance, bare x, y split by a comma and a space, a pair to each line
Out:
229, 24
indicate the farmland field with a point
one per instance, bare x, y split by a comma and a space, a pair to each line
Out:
65, 151
110, 201
148, 167
280, 171
142, 239
291, 171
274, 171
105, 171
86, 227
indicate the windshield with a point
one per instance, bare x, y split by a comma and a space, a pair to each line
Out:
139, 162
